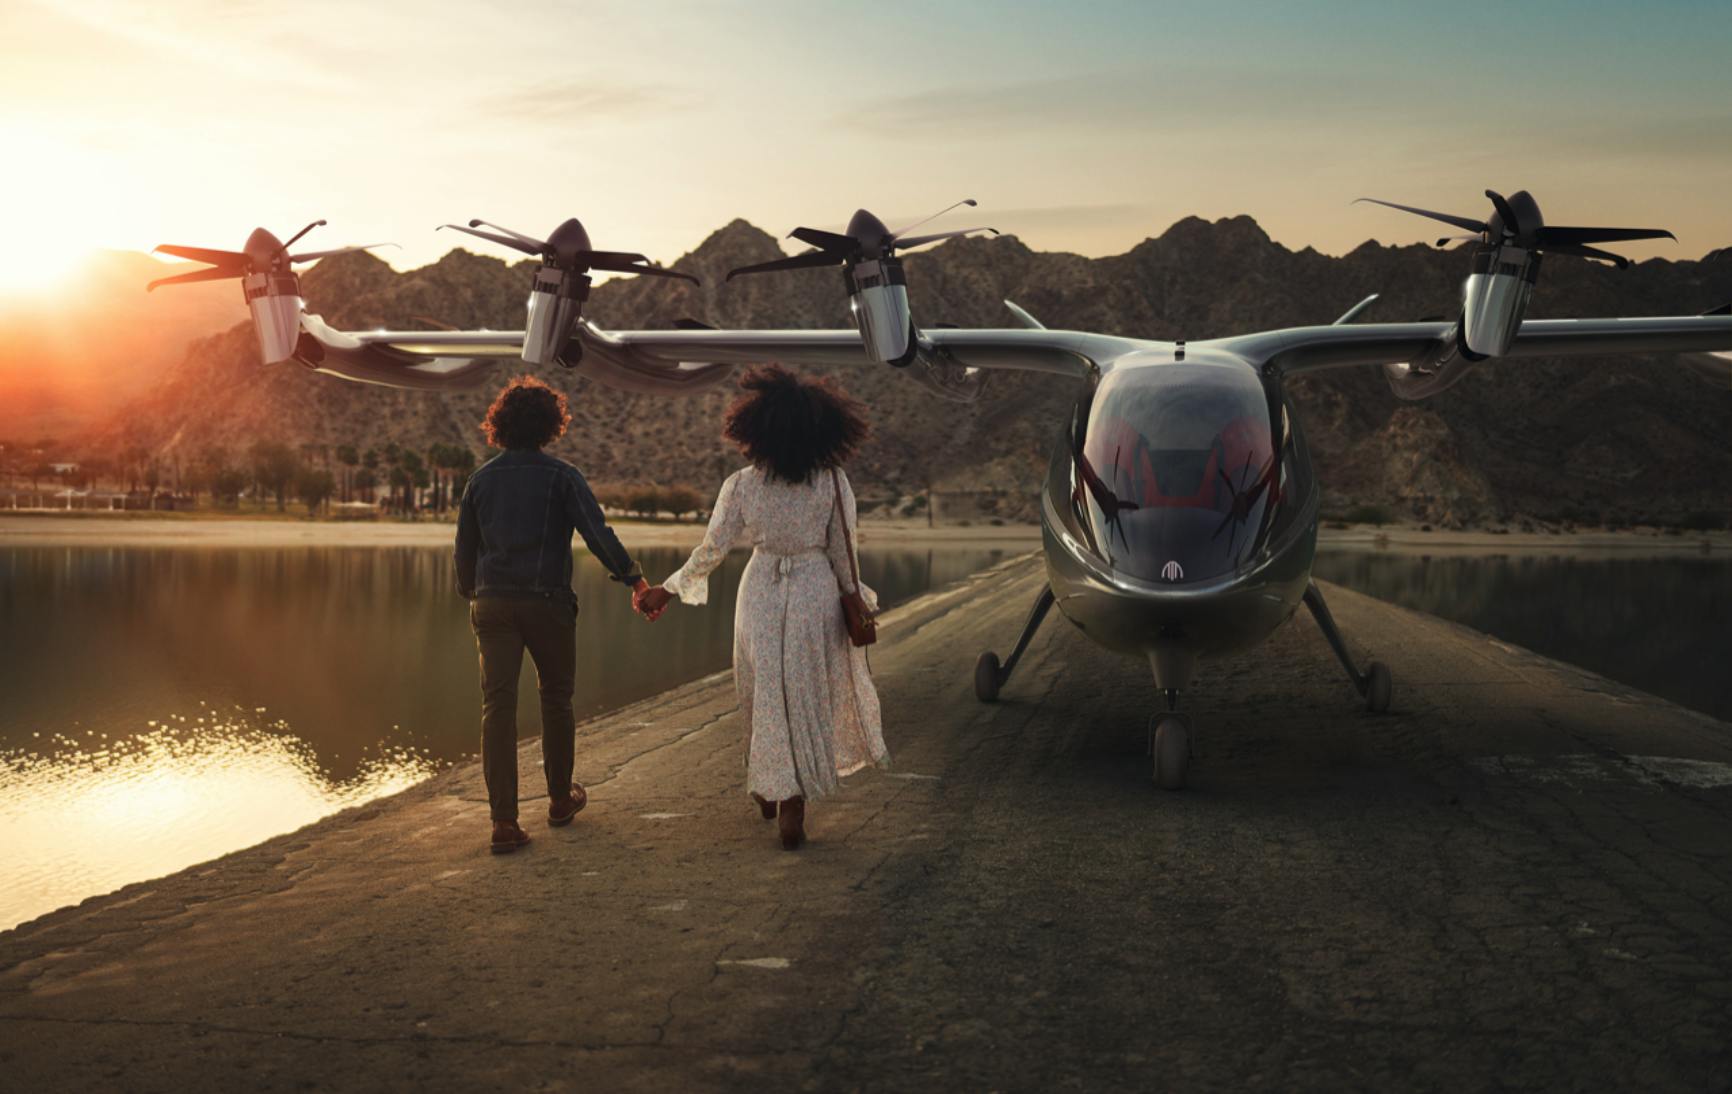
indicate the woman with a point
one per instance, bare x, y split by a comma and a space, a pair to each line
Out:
804, 688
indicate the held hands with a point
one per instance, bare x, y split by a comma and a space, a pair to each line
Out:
650, 601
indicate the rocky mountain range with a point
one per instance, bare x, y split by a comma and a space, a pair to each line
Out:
1580, 440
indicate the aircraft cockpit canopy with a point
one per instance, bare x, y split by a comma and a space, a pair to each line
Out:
1178, 476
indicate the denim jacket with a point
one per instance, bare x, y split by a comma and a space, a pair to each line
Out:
515, 523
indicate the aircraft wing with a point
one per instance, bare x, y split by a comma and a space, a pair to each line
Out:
417, 360
1421, 359
1065, 353
1304, 349
686, 361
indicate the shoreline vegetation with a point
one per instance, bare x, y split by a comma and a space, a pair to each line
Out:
53, 528
331, 482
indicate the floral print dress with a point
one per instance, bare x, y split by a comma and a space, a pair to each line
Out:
804, 687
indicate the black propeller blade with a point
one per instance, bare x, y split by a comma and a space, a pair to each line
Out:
1506, 214
292, 240
1460, 222
825, 241
213, 273
616, 256
501, 228
1553, 235
1582, 251
865, 240
650, 271
804, 261
204, 254
311, 256
907, 243
568, 248
527, 246
903, 232
1517, 220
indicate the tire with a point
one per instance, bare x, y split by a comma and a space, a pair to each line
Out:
986, 677
1378, 687
1172, 753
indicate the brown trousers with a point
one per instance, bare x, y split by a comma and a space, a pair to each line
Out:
504, 627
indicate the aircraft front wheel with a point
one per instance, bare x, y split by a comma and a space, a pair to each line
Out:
1172, 748
1378, 687
987, 675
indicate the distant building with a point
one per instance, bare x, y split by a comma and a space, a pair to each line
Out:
64, 468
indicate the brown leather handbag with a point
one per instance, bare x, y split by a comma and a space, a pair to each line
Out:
861, 621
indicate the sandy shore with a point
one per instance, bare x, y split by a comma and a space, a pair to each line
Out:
84, 530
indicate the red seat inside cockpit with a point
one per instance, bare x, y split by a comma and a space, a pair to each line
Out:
1174, 478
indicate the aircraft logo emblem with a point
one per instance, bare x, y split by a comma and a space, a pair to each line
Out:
1172, 571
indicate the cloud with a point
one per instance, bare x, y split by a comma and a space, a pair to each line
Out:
585, 100
1176, 99
987, 108
259, 43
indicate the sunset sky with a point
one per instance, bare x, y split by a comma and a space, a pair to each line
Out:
1083, 127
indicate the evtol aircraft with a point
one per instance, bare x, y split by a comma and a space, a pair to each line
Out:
1179, 510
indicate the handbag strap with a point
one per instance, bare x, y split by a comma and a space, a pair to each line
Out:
847, 534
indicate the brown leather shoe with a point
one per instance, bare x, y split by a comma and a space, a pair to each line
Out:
792, 822
768, 809
559, 813
508, 837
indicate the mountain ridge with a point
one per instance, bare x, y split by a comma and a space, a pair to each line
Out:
1593, 437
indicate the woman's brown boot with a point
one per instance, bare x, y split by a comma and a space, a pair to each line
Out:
768, 809
792, 822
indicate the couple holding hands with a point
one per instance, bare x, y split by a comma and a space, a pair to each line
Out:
804, 687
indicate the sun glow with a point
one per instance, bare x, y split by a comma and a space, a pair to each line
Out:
62, 199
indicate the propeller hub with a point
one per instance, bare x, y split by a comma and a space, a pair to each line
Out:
262, 249
568, 242
871, 233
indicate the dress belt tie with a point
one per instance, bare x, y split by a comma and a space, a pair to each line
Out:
784, 563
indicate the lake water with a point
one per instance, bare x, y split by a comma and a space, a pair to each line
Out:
1661, 623
163, 706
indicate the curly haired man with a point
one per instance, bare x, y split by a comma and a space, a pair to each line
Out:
514, 532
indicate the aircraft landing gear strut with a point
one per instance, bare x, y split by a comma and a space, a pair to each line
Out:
989, 675
1374, 683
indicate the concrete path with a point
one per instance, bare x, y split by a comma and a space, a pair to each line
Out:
1521, 877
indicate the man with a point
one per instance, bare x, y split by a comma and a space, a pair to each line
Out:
514, 566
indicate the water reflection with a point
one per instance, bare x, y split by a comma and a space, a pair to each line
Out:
1657, 623
81, 820
161, 706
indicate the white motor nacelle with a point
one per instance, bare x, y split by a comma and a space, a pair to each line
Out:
1495, 297
555, 304
275, 301
878, 299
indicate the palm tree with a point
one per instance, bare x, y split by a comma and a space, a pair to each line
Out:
349, 458
414, 474
436, 463
369, 464
393, 457
453, 458
314, 487
213, 460
463, 463
134, 455
274, 467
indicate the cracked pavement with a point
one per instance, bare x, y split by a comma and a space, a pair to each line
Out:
1520, 877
